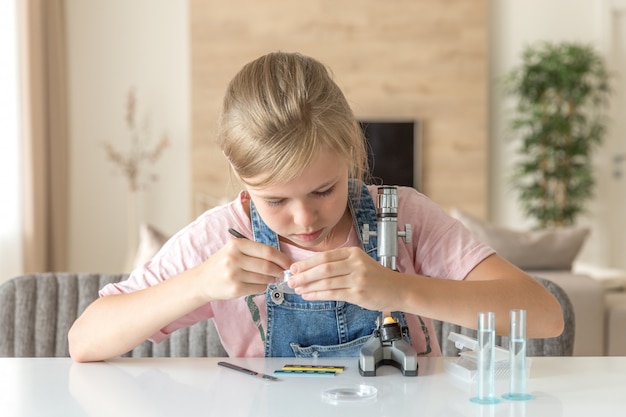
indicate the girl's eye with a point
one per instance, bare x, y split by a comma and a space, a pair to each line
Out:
325, 193
274, 203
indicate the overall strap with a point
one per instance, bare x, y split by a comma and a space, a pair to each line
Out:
260, 231
363, 212
261, 234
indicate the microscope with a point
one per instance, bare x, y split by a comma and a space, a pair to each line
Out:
387, 346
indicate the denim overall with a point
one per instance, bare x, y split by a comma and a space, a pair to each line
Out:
308, 329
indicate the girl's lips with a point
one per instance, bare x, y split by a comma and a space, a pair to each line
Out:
309, 237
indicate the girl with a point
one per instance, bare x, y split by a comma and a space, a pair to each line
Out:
293, 142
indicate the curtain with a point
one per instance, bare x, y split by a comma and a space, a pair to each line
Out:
10, 237
44, 134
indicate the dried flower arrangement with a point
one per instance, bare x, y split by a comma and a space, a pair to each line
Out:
140, 153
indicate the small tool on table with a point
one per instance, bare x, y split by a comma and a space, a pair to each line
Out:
309, 370
297, 367
247, 371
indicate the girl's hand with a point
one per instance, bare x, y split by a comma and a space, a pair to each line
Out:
239, 268
346, 274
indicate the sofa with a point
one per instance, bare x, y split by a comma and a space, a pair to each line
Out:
599, 308
598, 295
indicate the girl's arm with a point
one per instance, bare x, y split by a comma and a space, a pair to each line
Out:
115, 324
493, 285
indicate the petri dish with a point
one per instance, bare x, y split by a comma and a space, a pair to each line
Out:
349, 393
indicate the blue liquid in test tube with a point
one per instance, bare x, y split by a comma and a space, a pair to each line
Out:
485, 356
517, 357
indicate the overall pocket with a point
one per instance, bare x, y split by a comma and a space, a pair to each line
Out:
343, 350
315, 328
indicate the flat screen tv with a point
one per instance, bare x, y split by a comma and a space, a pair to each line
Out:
393, 150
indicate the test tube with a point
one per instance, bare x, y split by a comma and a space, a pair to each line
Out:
485, 360
517, 357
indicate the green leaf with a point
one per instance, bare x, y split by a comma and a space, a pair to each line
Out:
562, 92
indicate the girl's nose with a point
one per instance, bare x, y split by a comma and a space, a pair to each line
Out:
304, 214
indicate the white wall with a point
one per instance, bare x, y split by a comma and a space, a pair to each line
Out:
115, 45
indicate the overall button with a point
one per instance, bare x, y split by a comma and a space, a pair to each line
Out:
277, 296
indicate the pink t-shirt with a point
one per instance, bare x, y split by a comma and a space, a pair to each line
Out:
441, 248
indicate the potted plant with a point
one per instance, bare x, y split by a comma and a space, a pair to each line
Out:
562, 92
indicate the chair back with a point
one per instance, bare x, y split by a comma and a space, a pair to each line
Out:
37, 311
562, 345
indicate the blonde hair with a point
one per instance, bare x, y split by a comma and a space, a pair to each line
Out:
279, 112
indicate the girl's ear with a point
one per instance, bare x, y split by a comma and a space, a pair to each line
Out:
244, 197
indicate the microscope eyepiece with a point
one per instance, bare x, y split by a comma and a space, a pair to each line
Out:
387, 201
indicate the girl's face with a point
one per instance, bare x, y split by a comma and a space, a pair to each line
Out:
310, 211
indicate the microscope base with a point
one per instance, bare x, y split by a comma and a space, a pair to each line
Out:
397, 353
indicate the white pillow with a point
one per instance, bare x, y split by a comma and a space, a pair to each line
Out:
150, 241
546, 249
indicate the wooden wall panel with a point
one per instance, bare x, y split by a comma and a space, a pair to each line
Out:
399, 59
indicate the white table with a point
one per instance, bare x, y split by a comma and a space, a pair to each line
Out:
570, 387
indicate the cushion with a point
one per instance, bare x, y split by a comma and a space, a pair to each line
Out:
150, 241
549, 249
